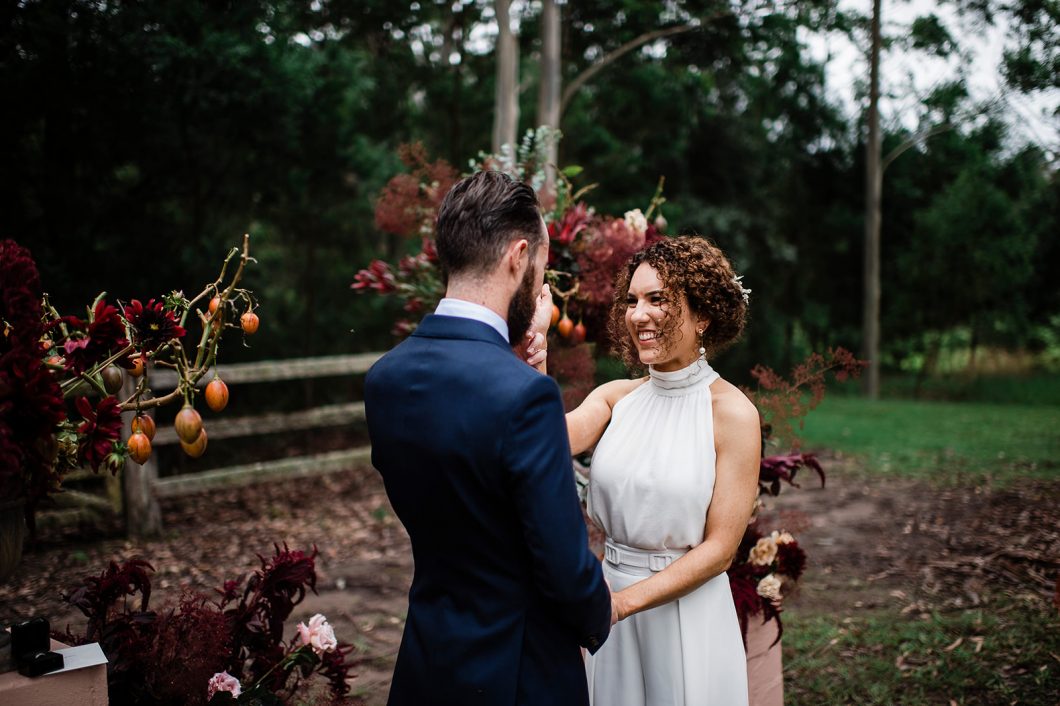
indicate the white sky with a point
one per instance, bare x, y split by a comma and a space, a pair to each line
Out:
904, 75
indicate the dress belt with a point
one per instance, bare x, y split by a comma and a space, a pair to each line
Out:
653, 559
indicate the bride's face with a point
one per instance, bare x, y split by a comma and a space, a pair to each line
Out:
664, 335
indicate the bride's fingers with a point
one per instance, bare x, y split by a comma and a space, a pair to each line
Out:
536, 349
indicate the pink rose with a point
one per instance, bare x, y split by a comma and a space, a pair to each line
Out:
223, 681
318, 634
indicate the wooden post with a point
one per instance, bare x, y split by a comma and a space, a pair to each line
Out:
143, 516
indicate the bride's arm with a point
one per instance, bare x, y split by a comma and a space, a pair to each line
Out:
737, 438
586, 423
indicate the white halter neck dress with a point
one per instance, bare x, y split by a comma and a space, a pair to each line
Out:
650, 486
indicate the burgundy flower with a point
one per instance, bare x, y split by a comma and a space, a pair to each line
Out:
574, 221
791, 560
101, 428
378, 277
153, 326
430, 250
98, 340
402, 328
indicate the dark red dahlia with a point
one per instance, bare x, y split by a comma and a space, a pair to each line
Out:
153, 326
791, 560
99, 340
101, 428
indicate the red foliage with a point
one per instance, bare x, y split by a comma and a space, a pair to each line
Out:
168, 658
409, 202
781, 400
31, 403
574, 369
775, 469
574, 221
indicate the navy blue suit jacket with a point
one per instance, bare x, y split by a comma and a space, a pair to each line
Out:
472, 446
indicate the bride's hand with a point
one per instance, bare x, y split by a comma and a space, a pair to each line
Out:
542, 312
535, 351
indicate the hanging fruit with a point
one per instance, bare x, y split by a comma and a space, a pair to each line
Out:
578, 333
139, 447
145, 424
216, 394
249, 321
565, 326
112, 378
555, 315
137, 368
188, 424
196, 448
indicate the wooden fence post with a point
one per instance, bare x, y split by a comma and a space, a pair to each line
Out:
143, 517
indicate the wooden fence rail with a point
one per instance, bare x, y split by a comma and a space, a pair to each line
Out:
143, 487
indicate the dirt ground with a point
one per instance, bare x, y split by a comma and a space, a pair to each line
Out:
871, 542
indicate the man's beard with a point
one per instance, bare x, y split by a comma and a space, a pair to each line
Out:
521, 308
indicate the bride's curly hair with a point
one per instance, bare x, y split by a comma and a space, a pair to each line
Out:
696, 268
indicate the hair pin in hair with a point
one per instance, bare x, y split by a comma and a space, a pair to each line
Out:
743, 290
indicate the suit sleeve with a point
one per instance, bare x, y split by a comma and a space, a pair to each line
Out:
537, 455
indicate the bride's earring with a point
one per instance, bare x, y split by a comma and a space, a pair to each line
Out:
702, 350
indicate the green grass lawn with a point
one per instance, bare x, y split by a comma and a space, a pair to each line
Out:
940, 439
1007, 653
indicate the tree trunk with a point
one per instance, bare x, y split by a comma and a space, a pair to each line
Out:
873, 188
548, 97
506, 105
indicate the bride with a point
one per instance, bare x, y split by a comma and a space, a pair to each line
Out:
672, 482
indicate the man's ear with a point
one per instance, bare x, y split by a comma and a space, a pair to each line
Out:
518, 251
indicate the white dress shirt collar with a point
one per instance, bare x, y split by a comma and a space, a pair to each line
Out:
469, 310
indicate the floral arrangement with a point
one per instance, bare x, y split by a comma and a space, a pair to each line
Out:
229, 650
60, 375
767, 567
585, 248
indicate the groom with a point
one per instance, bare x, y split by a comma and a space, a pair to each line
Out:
472, 446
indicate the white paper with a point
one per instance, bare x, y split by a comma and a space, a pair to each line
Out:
80, 657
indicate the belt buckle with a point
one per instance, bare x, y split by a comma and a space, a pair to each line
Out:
611, 554
658, 562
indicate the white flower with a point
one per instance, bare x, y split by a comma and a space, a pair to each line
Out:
318, 634
764, 552
660, 223
743, 290
769, 588
782, 537
223, 681
636, 221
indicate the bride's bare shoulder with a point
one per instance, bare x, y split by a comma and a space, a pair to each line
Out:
731, 405
617, 389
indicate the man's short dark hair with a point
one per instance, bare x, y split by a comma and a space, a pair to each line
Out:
480, 216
